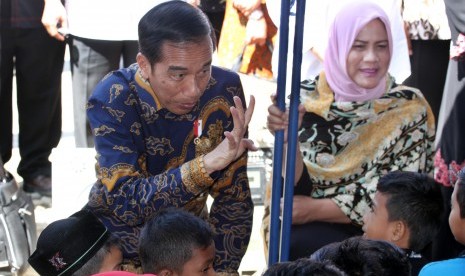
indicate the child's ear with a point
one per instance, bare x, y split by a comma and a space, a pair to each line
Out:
400, 231
165, 272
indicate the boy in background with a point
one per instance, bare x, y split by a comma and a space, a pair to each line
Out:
453, 267
406, 211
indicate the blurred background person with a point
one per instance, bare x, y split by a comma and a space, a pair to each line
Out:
102, 38
247, 38
428, 35
450, 136
36, 58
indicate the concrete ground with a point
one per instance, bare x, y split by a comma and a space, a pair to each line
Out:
72, 174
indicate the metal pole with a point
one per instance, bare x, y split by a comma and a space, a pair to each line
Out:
274, 240
292, 133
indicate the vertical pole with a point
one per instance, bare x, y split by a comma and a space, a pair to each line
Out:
292, 133
274, 239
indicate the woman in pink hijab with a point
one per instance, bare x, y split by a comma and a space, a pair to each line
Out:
357, 125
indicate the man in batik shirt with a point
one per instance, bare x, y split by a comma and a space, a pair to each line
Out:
169, 131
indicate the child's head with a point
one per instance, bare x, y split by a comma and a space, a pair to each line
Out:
177, 243
304, 266
359, 256
406, 210
457, 213
79, 245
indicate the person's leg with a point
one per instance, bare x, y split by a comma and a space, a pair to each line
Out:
91, 60
6, 90
429, 68
39, 65
308, 238
130, 50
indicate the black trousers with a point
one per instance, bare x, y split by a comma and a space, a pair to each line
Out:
37, 60
429, 68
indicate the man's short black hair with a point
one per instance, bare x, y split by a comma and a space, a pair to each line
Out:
414, 198
173, 21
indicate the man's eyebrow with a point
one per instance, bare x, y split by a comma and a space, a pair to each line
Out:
180, 68
176, 68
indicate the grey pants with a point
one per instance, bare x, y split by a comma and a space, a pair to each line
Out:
91, 60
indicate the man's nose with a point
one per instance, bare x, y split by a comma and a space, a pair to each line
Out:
191, 87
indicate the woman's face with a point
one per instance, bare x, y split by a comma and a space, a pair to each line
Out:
369, 56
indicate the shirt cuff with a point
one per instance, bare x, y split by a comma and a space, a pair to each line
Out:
195, 177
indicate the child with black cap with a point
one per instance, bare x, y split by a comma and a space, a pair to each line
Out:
79, 245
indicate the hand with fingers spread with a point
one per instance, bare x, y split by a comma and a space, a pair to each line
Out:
234, 144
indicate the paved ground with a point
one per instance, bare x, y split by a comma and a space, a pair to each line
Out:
73, 168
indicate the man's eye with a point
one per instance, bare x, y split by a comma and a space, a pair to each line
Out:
178, 76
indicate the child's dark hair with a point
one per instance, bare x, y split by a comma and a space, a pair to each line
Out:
94, 265
168, 240
304, 266
360, 256
414, 198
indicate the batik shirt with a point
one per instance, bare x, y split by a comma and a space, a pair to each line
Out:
348, 146
149, 159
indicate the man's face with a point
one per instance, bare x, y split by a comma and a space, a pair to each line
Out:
201, 263
180, 78
369, 56
456, 223
376, 222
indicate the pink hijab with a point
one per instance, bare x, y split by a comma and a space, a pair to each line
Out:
342, 33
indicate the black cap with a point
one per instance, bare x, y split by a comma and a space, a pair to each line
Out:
64, 246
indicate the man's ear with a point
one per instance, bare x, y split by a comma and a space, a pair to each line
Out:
144, 65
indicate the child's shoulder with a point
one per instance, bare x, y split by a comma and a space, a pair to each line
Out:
120, 273
450, 267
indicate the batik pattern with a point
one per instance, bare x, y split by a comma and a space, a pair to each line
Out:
348, 146
147, 161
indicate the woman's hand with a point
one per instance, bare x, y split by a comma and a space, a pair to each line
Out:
234, 144
306, 209
279, 120
246, 7
256, 31
302, 209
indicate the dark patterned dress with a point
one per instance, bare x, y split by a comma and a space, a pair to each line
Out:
148, 160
